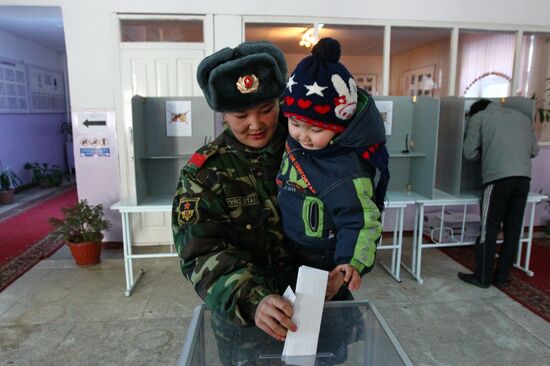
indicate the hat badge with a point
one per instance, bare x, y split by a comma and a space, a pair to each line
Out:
248, 84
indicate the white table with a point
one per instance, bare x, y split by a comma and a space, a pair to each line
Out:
399, 201
442, 199
127, 207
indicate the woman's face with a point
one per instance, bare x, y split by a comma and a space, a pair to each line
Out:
254, 127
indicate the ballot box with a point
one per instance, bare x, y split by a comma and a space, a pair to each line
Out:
352, 333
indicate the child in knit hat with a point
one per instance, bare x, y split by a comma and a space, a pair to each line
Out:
330, 206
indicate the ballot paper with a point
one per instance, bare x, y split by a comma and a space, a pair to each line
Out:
289, 295
307, 312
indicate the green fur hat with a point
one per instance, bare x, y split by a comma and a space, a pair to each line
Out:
234, 79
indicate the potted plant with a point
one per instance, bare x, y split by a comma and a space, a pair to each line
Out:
45, 175
81, 229
8, 181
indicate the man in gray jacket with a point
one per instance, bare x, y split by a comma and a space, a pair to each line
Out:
505, 140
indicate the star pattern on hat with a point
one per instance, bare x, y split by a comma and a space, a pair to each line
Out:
290, 83
315, 89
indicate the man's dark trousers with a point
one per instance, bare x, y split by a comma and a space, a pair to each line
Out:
503, 202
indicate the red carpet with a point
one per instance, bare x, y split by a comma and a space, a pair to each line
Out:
531, 292
24, 237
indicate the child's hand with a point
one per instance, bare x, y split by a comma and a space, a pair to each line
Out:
335, 281
351, 276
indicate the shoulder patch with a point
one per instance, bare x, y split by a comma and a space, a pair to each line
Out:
188, 209
200, 157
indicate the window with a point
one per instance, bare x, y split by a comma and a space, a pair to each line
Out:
485, 63
161, 30
419, 62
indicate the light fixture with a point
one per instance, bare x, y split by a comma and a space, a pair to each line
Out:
311, 36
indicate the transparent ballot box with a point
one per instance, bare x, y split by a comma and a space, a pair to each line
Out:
352, 333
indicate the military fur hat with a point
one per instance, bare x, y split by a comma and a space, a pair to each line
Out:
238, 78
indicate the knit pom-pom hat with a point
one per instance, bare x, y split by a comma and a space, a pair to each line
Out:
321, 91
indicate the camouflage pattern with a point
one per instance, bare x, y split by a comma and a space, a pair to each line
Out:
226, 226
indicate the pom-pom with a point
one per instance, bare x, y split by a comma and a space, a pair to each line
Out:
327, 49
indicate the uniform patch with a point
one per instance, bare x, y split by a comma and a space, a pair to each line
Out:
249, 200
189, 211
198, 159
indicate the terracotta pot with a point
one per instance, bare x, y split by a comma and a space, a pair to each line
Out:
86, 254
6, 196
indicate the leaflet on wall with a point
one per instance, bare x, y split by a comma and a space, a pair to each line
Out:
385, 107
178, 118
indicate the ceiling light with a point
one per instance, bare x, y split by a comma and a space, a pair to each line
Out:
311, 36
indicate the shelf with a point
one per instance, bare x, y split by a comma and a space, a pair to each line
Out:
396, 154
158, 157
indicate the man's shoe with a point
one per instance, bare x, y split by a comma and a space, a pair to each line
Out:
501, 282
472, 280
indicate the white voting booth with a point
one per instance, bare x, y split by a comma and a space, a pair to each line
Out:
166, 132
426, 166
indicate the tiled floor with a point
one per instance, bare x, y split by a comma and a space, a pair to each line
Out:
59, 314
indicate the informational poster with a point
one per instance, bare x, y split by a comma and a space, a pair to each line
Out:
178, 118
47, 91
419, 81
93, 133
385, 107
13, 87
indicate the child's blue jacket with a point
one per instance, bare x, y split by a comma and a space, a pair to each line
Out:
325, 196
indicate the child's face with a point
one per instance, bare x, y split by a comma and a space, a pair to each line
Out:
309, 136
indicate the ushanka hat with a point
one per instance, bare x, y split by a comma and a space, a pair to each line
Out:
234, 79
321, 91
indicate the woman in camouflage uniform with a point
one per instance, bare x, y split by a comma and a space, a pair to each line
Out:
225, 218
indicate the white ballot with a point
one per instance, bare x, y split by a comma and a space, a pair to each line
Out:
307, 312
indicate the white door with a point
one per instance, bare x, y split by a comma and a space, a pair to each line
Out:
154, 69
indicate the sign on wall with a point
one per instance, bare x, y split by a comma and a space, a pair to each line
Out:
13, 87
92, 132
47, 91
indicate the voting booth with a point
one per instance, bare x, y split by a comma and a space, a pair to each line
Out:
411, 129
352, 333
167, 131
454, 174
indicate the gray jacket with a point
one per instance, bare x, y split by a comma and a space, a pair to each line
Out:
505, 140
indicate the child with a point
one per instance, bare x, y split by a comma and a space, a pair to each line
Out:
325, 183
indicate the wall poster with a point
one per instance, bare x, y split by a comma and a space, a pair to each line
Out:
13, 87
47, 91
367, 82
419, 81
385, 107
178, 118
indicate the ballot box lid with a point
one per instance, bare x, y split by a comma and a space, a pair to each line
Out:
352, 333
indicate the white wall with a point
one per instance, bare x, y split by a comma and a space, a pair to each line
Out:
19, 49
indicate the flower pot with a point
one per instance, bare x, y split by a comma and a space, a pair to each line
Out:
6, 196
86, 254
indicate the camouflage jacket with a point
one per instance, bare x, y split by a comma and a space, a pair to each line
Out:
226, 226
